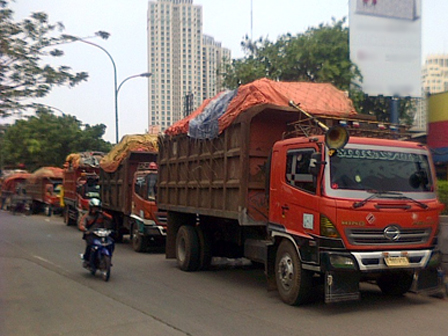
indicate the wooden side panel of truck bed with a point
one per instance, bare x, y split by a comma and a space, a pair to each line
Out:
69, 184
116, 187
225, 176
36, 189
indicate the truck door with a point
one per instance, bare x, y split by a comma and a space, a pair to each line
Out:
297, 193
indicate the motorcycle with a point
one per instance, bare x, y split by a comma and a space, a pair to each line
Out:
100, 253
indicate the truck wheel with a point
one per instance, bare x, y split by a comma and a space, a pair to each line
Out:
395, 284
34, 208
293, 282
187, 248
138, 242
67, 219
48, 210
205, 250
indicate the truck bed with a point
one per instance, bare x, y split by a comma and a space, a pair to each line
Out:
225, 176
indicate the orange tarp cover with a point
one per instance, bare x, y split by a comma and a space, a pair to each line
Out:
314, 98
129, 143
47, 172
9, 183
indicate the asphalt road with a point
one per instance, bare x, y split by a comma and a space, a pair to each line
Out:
45, 291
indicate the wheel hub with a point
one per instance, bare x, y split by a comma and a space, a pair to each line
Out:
286, 272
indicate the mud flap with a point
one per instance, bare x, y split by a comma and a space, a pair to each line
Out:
341, 286
428, 281
270, 269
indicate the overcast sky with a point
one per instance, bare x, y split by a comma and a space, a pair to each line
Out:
226, 20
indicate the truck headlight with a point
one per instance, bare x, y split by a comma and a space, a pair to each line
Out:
327, 228
338, 261
435, 259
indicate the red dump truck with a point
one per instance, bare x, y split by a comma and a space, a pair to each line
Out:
127, 181
44, 187
13, 190
80, 184
284, 185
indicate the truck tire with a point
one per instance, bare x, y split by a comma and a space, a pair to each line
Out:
293, 282
48, 210
205, 249
187, 248
34, 207
139, 243
395, 284
67, 220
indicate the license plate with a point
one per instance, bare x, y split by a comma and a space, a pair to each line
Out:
396, 261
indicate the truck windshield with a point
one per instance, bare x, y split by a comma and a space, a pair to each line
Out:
57, 188
380, 170
92, 191
145, 186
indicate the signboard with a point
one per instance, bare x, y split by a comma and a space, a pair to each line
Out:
385, 43
438, 125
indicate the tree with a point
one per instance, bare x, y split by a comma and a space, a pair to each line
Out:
46, 140
319, 55
23, 48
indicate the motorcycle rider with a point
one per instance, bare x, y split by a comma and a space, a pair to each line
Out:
95, 219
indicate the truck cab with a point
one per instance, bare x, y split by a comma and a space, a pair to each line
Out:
368, 209
81, 183
148, 224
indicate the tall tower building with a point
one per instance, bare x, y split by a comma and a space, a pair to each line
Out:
435, 74
214, 60
434, 80
176, 59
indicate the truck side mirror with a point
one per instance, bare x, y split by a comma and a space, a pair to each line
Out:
418, 179
315, 163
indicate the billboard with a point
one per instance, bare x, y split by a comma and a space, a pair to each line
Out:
438, 126
385, 43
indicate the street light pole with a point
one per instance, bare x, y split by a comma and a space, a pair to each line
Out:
145, 74
116, 89
115, 81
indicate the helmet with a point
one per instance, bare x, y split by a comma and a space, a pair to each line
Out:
95, 202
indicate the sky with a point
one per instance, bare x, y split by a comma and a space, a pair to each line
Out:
228, 21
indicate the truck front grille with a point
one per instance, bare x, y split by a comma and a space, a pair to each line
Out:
378, 237
161, 217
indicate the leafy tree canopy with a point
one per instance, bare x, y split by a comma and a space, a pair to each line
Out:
24, 46
321, 55
46, 140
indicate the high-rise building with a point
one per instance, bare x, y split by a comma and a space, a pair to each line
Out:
179, 58
214, 59
434, 80
435, 74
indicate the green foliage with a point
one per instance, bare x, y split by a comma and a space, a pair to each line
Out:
380, 107
442, 190
23, 47
46, 140
319, 55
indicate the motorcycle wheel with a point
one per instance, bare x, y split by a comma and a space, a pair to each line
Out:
105, 267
